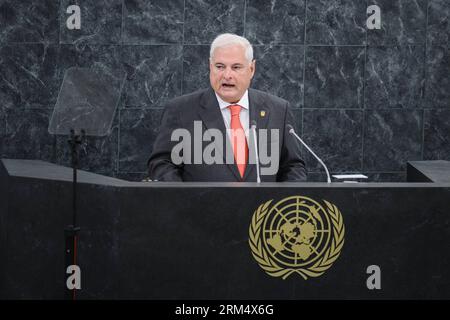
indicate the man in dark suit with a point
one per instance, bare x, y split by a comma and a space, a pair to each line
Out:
229, 108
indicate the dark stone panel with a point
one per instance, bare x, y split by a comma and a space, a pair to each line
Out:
27, 136
402, 22
298, 118
206, 19
275, 21
318, 176
336, 22
105, 58
391, 138
101, 22
138, 131
153, 22
298, 126
437, 135
28, 75
29, 21
2, 122
386, 176
195, 68
438, 29
334, 77
97, 154
437, 90
394, 77
154, 74
279, 71
336, 137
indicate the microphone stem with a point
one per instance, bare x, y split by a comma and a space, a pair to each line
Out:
258, 178
312, 152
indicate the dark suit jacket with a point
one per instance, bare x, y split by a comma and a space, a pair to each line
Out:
202, 106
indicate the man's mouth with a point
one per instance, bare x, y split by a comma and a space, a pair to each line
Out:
227, 85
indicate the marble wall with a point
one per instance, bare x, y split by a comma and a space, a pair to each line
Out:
366, 100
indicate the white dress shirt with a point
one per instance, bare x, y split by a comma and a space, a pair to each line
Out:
244, 116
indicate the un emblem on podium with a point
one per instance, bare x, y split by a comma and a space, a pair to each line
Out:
296, 235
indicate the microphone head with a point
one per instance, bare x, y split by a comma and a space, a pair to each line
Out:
290, 128
253, 123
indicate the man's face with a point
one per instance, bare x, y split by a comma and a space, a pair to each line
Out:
230, 73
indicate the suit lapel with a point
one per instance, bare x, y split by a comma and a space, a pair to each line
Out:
212, 118
259, 112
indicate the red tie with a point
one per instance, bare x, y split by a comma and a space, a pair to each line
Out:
238, 139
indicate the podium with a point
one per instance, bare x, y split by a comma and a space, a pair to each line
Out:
163, 240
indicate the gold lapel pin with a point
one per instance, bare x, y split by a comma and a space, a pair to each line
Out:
262, 114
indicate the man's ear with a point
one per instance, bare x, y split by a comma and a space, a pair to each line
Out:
210, 64
253, 67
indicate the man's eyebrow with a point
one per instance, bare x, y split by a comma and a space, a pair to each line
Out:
234, 64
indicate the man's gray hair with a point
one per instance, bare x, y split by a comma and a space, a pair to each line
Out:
229, 39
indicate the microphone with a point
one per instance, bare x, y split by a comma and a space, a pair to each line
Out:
292, 132
255, 141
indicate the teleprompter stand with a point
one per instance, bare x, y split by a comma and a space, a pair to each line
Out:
72, 230
86, 105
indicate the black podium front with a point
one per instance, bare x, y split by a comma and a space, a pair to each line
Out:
191, 240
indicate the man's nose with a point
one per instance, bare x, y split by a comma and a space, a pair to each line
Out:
228, 73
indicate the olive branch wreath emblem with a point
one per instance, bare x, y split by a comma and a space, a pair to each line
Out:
272, 268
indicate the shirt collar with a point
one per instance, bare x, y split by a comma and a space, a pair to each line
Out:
243, 102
